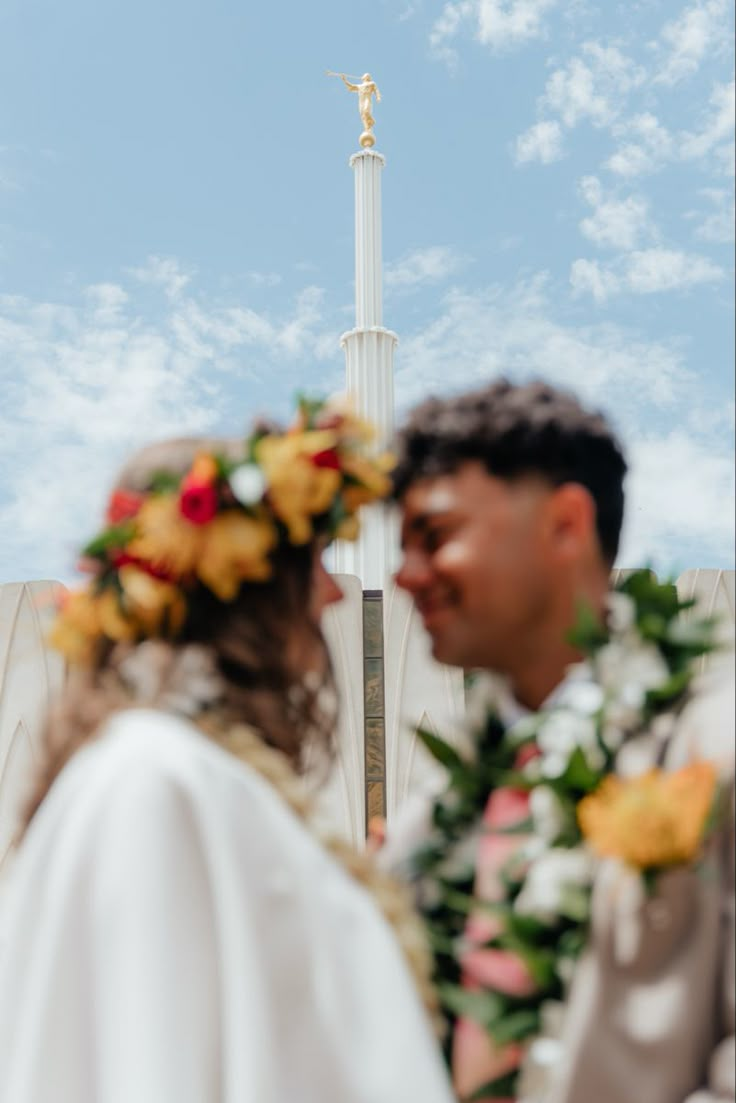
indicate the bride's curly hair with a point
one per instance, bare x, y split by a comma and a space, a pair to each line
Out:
260, 660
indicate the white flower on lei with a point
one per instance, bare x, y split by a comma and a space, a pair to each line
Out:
460, 859
621, 611
579, 691
484, 694
483, 698
548, 813
547, 878
560, 734
247, 483
627, 669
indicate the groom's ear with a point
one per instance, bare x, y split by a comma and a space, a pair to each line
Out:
570, 522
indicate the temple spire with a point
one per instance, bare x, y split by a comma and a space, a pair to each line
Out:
369, 365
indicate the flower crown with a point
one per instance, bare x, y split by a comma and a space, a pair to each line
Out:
218, 525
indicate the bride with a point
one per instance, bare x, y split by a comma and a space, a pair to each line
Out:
175, 933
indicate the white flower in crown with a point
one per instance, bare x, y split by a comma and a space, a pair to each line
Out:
247, 483
560, 734
554, 871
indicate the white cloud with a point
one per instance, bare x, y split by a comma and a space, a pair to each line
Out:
696, 34
590, 277
716, 224
668, 269
541, 142
164, 272
481, 334
409, 11
503, 23
298, 334
592, 87
617, 223
264, 279
643, 272
676, 494
649, 146
107, 301
422, 266
498, 24
447, 26
85, 383
717, 127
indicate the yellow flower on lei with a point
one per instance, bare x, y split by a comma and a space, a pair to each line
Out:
298, 489
652, 821
235, 548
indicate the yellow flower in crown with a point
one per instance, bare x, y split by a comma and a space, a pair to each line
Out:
303, 476
658, 819
235, 549
114, 622
77, 627
371, 480
157, 607
165, 538
217, 525
348, 529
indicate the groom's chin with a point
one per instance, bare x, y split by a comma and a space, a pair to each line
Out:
443, 649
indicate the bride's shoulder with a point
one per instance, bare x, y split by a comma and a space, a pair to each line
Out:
151, 742
145, 760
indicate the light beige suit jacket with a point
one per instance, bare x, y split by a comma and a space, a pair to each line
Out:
651, 1012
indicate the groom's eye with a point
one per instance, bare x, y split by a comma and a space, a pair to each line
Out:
435, 536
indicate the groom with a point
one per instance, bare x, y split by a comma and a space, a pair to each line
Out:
512, 504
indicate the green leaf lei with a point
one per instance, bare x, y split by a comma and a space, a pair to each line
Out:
638, 667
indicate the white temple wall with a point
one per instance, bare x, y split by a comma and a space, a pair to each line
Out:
378, 715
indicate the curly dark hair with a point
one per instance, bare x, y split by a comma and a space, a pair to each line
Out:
516, 430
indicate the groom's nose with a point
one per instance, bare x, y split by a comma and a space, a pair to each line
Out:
414, 572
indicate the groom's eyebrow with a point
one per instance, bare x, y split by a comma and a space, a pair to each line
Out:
420, 522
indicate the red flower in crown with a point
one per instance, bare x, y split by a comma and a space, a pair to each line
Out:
123, 559
123, 505
329, 458
197, 501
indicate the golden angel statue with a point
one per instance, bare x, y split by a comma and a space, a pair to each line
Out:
366, 89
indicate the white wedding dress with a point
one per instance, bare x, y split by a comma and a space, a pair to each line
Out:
174, 935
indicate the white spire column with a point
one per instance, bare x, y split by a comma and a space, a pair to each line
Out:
369, 363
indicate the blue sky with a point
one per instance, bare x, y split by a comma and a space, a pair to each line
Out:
176, 232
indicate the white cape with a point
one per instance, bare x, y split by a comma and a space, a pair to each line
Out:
174, 935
